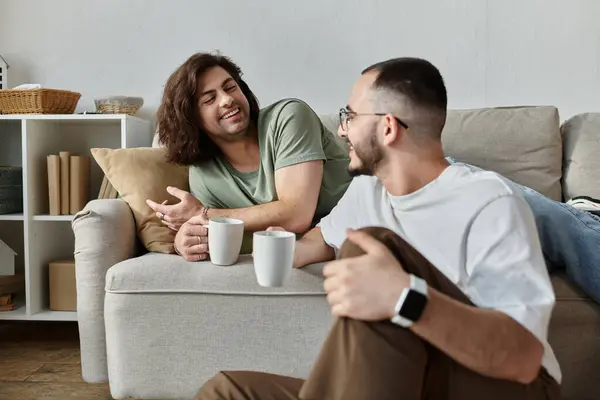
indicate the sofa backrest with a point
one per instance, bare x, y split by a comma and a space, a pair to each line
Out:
521, 143
331, 122
526, 145
581, 173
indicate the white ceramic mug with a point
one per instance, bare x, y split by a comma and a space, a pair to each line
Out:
273, 253
225, 237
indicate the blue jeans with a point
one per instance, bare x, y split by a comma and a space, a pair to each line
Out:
570, 239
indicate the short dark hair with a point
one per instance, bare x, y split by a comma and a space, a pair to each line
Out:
419, 81
178, 120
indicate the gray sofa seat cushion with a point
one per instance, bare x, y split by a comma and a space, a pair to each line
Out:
565, 289
581, 137
169, 273
574, 335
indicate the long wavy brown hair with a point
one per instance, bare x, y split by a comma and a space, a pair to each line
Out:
178, 119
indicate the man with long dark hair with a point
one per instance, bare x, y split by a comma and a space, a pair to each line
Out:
278, 165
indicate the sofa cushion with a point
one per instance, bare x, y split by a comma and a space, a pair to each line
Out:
565, 289
139, 174
162, 273
521, 143
581, 141
574, 335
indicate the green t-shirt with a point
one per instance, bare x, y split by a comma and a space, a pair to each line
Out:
289, 132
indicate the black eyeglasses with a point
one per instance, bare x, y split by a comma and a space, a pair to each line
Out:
346, 115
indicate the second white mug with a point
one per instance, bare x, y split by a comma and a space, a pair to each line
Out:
273, 253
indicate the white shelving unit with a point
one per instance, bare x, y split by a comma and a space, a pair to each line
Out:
39, 238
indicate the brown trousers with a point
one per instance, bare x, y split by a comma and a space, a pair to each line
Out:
380, 360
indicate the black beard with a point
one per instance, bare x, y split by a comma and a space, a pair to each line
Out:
370, 156
353, 172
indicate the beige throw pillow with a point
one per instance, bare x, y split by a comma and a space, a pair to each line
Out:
143, 173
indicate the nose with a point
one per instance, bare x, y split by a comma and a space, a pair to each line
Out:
226, 100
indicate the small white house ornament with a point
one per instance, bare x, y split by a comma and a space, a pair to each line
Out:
3, 73
7, 260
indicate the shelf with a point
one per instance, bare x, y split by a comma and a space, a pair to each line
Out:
68, 117
20, 313
49, 315
38, 238
11, 217
46, 217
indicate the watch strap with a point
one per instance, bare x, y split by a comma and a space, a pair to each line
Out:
418, 284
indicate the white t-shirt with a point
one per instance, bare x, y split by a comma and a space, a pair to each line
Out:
475, 227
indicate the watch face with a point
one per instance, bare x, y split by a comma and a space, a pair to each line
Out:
413, 305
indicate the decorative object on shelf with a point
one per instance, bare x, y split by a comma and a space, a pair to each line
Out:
10, 287
3, 73
7, 260
6, 302
68, 183
54, 192
38, 100
119, 105
11, 190
62, 285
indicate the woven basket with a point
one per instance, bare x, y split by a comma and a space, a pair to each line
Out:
38, 101
117, 109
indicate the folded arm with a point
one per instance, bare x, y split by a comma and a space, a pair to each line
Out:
297, 189
487, 341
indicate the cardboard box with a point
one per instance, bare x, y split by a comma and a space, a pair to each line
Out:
63, 287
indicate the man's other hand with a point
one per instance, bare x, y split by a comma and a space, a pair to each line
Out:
174, 216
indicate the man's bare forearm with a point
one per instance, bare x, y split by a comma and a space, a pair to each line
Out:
312, 249
486, 341
262, 216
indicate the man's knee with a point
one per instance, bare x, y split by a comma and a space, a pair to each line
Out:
245, 385
384, 235
219, 386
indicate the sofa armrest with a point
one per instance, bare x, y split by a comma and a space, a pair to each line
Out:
104, 236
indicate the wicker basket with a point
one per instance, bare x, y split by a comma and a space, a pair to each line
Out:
38, 101
118, 109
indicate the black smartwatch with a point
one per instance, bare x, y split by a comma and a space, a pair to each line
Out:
411, 303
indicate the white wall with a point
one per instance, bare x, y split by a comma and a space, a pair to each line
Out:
502, 52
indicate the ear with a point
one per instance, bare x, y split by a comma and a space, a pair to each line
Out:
393, 130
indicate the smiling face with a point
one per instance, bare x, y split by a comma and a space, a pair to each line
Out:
366, 152
224, 110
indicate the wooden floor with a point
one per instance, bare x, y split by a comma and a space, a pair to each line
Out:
40, 360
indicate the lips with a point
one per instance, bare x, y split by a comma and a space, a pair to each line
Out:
231, 113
